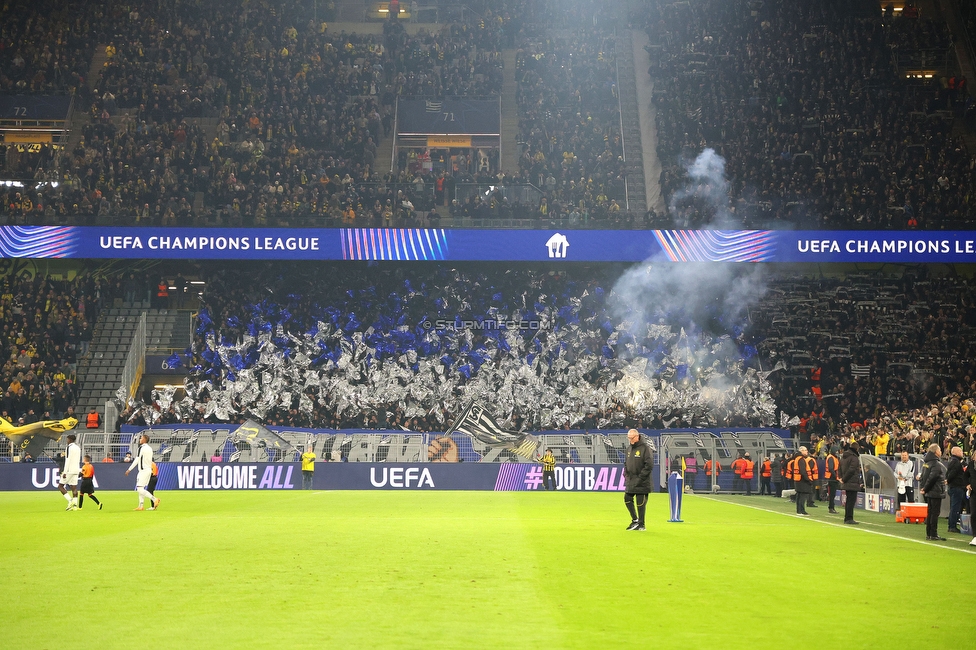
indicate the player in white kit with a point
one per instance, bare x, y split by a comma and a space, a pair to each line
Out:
143, 462
69, 474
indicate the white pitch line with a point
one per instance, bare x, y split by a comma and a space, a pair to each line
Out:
844, 526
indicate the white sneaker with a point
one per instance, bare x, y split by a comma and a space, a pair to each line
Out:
973, 543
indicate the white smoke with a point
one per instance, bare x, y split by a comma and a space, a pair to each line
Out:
704, 200
706, 304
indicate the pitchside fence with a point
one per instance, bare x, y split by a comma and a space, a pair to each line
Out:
175, 443
692, 450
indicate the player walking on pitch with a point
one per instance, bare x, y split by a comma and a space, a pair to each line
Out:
69, 475
144, 462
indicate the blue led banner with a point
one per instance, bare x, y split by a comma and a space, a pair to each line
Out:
420, 244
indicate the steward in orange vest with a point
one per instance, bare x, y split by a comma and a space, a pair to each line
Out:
766, 472
162, 294
805, 475
791, 469
748, 467
831, 469
737, 468
712, 468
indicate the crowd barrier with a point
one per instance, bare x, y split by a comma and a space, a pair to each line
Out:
500, 477
497, 477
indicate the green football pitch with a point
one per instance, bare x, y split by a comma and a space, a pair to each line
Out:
470, 570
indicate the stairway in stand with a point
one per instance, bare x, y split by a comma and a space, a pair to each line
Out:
630, 124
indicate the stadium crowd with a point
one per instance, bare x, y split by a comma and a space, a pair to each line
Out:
45, 329
569, 122
263, 116
817, 125
299, 113
46, 47
841, 356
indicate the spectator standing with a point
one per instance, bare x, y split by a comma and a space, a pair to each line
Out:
932, 485
776, 476
905, 475
956, 481
308, 468
850, 475
691, 471
180, 284
971, 492
832, 476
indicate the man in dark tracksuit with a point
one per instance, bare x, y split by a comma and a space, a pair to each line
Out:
637, 472
850, 477
956, 482
932, 485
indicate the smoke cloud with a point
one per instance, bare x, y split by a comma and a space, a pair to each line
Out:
703, 306
704, 201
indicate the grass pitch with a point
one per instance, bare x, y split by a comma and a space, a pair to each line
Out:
469, 570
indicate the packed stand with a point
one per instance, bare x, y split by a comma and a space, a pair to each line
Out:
366, 350
816, 125
46, 47
300, 112
569, 121
856, 349
45, 329
380, 348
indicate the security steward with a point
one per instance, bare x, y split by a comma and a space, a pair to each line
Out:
637, 475
548, 469
92, 420
832, 476
162, 294
748, 470
712, 468
766, 473
790, 474
806, 474
737, 469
